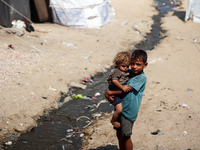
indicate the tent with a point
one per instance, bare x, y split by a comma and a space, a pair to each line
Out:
193, 10
7, 14
82, 13
77, 13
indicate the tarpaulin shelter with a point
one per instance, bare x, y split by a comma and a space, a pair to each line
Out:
82, 13
8, 14
77, 13
193, 10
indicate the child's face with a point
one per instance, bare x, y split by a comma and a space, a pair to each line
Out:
137, 66
123, 66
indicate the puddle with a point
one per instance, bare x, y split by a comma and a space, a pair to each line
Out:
59, 129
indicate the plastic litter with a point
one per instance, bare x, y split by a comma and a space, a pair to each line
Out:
8, 143
155, 132
18, 24
78, 96
81, 135
97, 94
53, 89
11, 46
29, 28
185, 106
69, 135
85, 80
70, 130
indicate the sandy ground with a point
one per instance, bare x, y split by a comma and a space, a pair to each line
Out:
46, 61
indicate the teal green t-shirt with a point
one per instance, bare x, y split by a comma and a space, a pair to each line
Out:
132, 100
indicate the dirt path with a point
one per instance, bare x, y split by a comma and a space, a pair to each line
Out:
45, 62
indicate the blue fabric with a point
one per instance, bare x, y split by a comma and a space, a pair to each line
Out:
132, 100
117, 100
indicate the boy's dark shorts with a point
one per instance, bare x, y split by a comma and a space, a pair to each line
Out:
126, 125
117, 99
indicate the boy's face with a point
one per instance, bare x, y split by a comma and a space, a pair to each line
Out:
123, 66
137, 66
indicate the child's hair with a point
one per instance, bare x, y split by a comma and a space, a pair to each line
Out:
139, 54
122, 57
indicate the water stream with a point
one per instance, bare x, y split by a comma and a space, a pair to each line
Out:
59, 129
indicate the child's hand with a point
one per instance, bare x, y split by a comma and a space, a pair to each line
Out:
126, 88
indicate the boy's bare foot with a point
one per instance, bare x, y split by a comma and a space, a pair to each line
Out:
116, 124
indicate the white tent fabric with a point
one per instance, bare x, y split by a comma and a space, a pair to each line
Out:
74, 3
193, 10
82, 13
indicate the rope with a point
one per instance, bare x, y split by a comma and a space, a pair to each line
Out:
16, 11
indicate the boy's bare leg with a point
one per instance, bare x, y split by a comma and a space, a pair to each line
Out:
118, 110
120, 140
125, 142
128, 143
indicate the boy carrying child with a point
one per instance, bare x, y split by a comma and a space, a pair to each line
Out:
131, 100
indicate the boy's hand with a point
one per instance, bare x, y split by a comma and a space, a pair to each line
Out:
126, 88
110, 98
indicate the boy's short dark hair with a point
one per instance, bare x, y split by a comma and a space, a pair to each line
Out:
139, 54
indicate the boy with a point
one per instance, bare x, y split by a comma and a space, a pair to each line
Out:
132, 100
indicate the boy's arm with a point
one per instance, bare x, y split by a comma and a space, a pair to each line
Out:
109, 94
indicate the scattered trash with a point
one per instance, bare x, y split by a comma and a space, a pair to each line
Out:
18, 24
78, 96
189, 89
85, 80
69, 135
97, 115
185, 132
44, 123
94, 98
95, 106
194, 40
97, 94
81, 135
84, 57
92, 76
53, 89
179, 38
90, 122
11, 46
87, 98
8, 143
155, 132
69, 130
29, 28
44, 97
185, 106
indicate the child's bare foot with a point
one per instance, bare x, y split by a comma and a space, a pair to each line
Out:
116, 124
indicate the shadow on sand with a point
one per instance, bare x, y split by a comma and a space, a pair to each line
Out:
107, 147
180, 15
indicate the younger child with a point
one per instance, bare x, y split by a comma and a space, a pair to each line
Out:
117, 79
